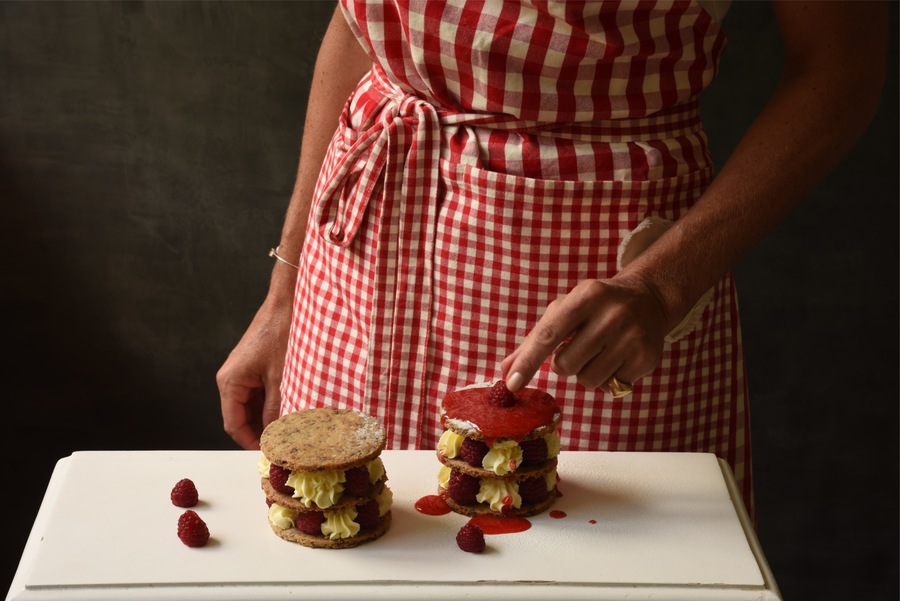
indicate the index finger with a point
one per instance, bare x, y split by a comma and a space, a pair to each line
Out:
554, 327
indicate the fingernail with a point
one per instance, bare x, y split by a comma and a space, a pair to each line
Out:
515, 382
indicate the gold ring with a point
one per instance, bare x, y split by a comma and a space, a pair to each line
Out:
617, 388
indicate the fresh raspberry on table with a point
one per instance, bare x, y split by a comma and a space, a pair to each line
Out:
533, 490
534, 452
184, 493
500, 395
473, 451
278, 477
368, 515
357, 481
463, 488
470, 538
192, 530
309, 522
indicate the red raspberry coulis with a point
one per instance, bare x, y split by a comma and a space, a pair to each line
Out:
432, 505
491, 524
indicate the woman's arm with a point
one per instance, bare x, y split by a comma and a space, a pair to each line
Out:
831, 85
249, 379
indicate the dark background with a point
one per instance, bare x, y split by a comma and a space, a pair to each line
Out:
147, 152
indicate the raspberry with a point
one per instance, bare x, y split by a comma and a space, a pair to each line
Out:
368, 515
534, 452
500, 396
309, 522
533, 490
192, 529
473, 451
470, 538
184, 494
463, 488
357, 481
278, 478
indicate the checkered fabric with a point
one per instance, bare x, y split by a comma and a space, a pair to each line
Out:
496, 155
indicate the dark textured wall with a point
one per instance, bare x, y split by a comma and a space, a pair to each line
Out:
147, 151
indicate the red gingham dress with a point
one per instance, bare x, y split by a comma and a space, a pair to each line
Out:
497, 154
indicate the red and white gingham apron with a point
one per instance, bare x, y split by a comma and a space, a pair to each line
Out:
496, 155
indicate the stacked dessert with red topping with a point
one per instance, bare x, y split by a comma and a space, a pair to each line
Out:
324, 479
499, 450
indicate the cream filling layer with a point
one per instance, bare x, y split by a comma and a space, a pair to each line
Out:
496, 493
503, 457
338, 523
322, 488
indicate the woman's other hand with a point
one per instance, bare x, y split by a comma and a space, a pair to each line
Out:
250, 378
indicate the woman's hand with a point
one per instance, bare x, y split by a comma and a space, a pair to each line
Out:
601, 329
250, 378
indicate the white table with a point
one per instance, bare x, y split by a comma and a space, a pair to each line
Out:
661, 526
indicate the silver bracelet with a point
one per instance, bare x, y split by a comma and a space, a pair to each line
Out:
273, 252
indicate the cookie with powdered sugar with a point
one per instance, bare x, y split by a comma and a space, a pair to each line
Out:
323, 439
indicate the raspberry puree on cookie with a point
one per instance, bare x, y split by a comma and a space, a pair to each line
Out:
533, 409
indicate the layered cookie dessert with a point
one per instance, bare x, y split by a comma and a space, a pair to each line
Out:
499, 450
324, 480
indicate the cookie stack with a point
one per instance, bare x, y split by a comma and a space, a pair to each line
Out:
499, 450
323, 477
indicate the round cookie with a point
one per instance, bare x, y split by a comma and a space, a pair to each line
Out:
522, 473
323, 542
323, 439
485, 509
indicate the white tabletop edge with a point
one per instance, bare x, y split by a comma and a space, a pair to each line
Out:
749, 529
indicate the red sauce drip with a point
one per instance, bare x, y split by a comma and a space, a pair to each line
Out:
592, 521
491, 524
432, 505
534, 408
556, 514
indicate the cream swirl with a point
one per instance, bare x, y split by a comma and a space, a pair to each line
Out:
550, 478
340, 524
385, 499
323, 488
503, 457
444, 477
449, 443
552, 440
282, 517
498, 494
376, 470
